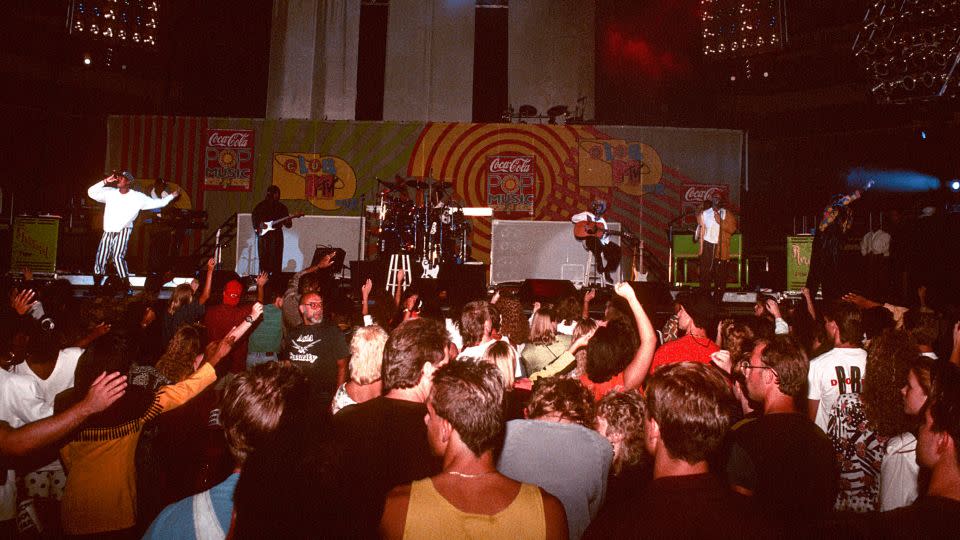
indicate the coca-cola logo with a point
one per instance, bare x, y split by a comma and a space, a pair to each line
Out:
703, 192
510, 164
236, 139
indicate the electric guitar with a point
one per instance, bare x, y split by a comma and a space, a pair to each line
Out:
268, 226
431, 257
586, 229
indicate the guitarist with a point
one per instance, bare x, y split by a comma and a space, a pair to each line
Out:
600, 244
270, 245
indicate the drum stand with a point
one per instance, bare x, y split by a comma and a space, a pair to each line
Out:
398, 262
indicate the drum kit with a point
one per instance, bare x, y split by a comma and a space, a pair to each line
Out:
430, 225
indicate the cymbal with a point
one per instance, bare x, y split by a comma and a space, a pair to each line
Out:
557, 110
527, 110
417, 183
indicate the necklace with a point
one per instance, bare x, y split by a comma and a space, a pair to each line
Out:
467, 475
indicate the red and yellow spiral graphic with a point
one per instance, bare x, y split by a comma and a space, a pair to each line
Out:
458, 153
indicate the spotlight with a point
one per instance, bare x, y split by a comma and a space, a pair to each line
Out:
955, 185
87, 60
923, 135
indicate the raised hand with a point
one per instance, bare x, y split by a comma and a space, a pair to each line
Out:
773, 307
256, 311
861, 302
589, 295
536, 307
211, 264
366, 288
27, 273
625, 290
22, 301
262, 279
104, 391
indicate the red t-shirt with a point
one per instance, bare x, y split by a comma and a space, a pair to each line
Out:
219, 320
685, 349
601, 389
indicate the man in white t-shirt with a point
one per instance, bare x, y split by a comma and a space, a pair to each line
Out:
840, 370
708, 231
123, 205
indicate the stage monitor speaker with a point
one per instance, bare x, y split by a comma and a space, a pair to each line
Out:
656, 300
546, 290
653, 293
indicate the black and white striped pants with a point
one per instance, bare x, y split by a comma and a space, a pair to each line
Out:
113, 248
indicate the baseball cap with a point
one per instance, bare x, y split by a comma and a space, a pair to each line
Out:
232, 292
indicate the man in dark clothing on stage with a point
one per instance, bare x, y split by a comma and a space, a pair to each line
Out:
270, 244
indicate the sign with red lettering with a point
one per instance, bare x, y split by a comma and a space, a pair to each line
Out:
692, 197
228, 160
511, 183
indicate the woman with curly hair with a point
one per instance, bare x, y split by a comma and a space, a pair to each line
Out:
862, 424
513, 324
582, 327
181, 357
620, 418
899, 471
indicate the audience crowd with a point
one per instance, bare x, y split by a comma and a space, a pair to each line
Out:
260, 408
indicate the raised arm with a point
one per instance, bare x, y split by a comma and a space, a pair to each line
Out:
207, 282
587, 298
36, 435
261, 281
149, 203
638, 368
98, 191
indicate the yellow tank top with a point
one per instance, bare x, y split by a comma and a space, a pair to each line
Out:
429, 515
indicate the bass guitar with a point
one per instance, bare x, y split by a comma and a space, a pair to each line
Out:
268, 226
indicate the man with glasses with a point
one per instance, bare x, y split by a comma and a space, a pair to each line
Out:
318, 347
782, 459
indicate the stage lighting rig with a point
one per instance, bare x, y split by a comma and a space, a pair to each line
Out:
739, 28
910, 49
116, 22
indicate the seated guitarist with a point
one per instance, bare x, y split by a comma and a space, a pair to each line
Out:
598, 241
270, 245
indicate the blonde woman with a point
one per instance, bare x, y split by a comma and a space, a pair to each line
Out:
545, 344
366, 358
182, 309
502, 355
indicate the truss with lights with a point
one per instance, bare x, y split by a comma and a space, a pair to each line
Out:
911, 49
738, 28
118, 22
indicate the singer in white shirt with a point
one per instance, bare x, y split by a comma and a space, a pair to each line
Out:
123, 205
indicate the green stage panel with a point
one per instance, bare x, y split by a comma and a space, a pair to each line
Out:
686, 266
799, 249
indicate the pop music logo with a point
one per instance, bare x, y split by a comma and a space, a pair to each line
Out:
511, 183
228, 160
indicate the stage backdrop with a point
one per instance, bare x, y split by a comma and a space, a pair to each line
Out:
535, 172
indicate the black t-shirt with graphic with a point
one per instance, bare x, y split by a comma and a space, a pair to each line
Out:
315, 348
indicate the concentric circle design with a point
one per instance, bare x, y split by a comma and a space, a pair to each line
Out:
458, 153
